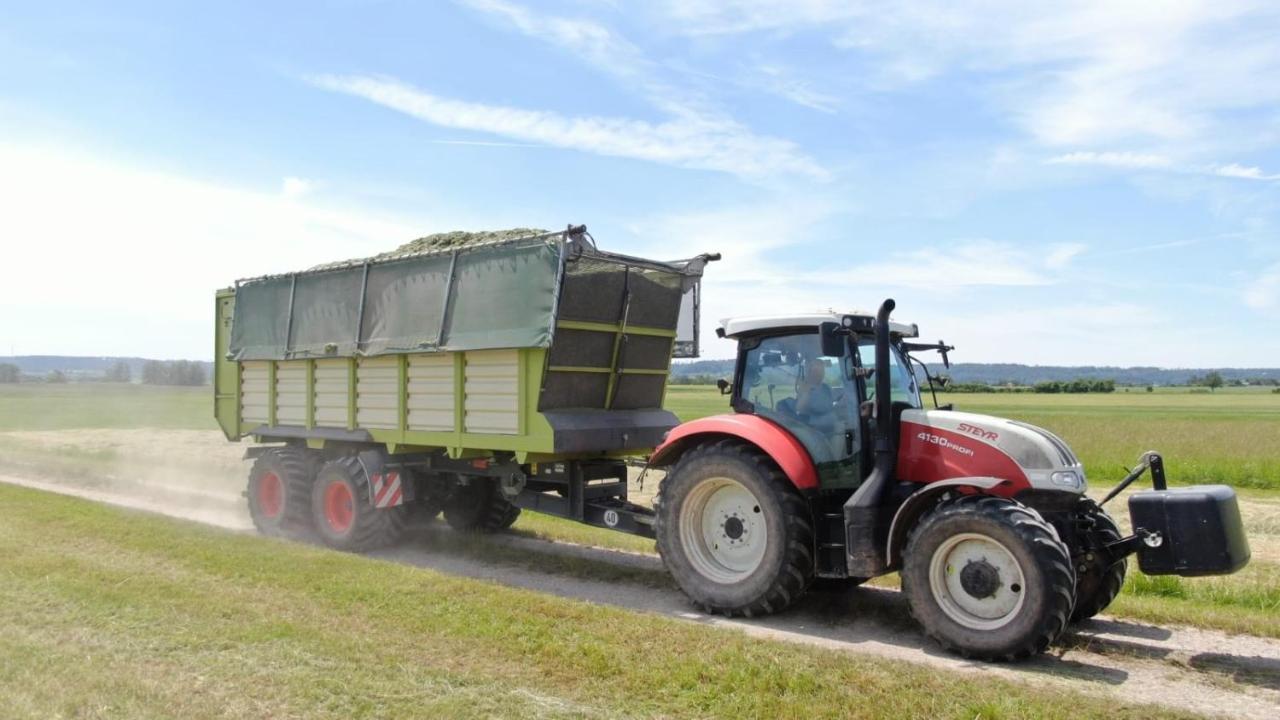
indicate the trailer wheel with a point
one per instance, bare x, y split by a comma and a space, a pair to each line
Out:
1097, 584
988, 578
733, 532
479, 507
279, 491
343, 515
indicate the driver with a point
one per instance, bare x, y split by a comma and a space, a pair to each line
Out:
814, 399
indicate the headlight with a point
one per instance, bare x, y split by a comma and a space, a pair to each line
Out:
1065, 478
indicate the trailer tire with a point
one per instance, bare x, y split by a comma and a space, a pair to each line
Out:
1097, 585
344, 517
479, 507
279, 491
733, 532
1019, 565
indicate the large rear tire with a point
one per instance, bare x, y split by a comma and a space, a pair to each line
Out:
733, 532
279, 491
343, 515
479, 507
1097, 583
988, 578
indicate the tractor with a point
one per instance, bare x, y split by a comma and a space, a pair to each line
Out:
831, 467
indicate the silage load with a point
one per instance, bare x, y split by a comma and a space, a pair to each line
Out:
455, 240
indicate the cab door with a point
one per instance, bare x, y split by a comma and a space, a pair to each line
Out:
787, 379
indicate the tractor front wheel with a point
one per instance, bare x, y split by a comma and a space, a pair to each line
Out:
343, 515
988, 578
733, 532
1099, 582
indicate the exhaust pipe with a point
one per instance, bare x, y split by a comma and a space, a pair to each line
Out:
864, 553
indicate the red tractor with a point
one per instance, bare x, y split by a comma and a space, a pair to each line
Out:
831, 467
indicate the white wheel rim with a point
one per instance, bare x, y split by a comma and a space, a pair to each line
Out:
996, 585
723, 530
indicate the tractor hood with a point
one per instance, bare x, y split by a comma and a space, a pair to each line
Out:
943, 444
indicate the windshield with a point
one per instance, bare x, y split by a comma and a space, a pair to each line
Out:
902, 378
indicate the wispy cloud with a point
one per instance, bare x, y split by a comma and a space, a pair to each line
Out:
687, 141
1061, 255
1244, 172
1112, 159
1085, 71
1263, 291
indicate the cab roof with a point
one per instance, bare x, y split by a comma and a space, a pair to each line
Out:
748, 325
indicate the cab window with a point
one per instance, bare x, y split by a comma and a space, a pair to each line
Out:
789, 381
902, 380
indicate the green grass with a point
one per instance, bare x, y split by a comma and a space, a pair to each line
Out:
38, 406
1231, 437
115, 614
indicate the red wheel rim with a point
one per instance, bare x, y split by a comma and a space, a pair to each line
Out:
339, 506
270, 495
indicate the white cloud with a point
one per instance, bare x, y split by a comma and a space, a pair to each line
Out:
1112, 159
1263, 292
122, 260
684, 141
782, 82
295, 187
1246, 173
1061, 255
949, 267
1086, 71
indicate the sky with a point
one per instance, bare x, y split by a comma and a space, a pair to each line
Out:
1092, 183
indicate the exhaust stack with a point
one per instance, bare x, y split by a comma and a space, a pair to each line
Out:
863, 550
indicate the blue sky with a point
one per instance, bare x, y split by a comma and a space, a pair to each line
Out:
1096, 184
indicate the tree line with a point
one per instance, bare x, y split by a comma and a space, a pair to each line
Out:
154, 372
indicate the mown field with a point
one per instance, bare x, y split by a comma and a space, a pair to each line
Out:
109, 613
1228, 436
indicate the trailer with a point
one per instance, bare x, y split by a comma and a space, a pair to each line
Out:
473, 380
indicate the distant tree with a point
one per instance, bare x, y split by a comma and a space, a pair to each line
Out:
1150, 389
176, 372
55, 376
119, 372
153, 373
10, 373
1213, 380
1048, 386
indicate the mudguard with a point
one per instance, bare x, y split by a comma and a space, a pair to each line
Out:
772, 439
921, 500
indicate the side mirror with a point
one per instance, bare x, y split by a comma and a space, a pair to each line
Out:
725, 386
833, 339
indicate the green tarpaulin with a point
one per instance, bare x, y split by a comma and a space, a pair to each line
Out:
471, 298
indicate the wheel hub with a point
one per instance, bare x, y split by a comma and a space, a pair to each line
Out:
733, 528
722, 529
980, 579
977, 581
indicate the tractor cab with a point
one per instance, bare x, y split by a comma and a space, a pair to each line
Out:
812, 374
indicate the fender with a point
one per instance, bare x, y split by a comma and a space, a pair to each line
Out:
921, 500
772, 439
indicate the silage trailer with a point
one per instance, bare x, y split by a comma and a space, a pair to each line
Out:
483, 378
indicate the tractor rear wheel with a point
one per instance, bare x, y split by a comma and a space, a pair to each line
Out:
344, 516
733, 532
479, 507
279, 491
1098, 583
988, 578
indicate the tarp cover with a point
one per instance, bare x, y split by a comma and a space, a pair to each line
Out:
500, 296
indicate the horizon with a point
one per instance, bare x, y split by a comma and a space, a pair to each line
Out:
1064, 186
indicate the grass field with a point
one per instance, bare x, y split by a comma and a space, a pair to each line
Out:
1231, 437
109, 613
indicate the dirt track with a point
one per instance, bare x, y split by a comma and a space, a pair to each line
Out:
1190, 669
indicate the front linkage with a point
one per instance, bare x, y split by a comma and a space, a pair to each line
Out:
1189, 531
